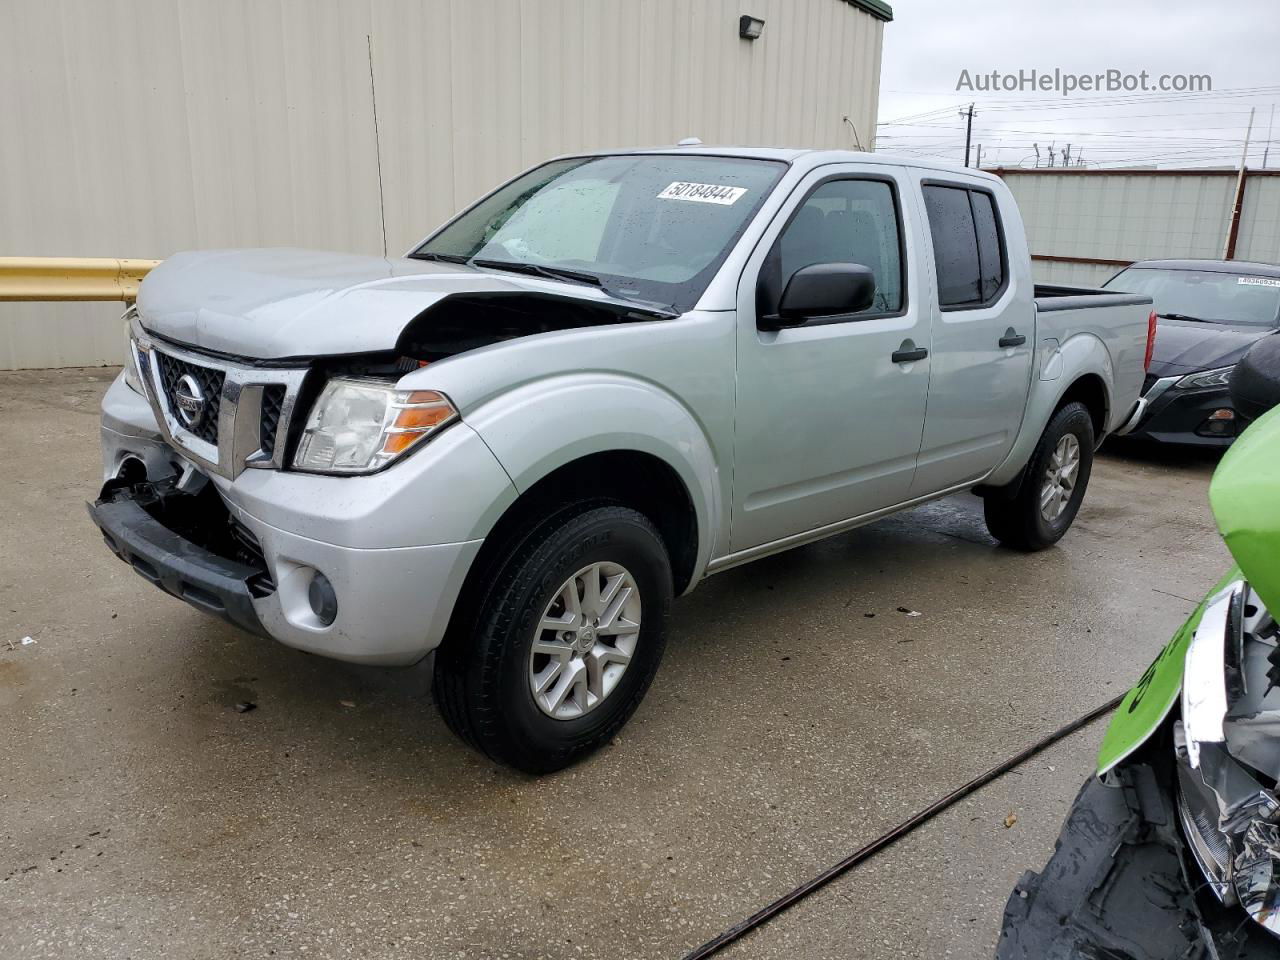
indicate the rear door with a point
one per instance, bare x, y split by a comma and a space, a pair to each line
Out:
983, 337
828, 423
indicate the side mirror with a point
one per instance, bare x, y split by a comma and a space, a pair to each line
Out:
1255, 382
823, 290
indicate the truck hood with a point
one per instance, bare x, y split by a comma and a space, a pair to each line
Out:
1184, 346
274, 304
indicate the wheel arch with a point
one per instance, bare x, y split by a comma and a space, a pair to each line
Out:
1085, 371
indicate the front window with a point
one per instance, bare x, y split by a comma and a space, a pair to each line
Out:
648, 227
1211, 296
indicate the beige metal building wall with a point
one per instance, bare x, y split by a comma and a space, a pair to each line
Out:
1084, 225
136, 128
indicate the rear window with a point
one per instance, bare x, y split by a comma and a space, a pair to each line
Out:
1210, 296
968, 248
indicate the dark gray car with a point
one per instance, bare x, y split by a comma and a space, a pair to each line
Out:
1209, 313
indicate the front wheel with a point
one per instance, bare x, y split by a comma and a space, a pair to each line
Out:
1046, 503
567, 639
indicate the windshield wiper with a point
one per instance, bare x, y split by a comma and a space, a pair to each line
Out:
440, 257
538, 270
1183, 316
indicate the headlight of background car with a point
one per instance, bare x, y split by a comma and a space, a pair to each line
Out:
359, 426
1210, 378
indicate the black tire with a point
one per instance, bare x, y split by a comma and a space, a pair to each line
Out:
481, 675
1015, 518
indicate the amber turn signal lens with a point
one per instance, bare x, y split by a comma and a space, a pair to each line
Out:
397, 443
422, 418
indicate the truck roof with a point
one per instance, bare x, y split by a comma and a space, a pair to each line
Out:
797, 156
1214, 266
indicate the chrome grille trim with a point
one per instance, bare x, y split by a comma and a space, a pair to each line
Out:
240, 439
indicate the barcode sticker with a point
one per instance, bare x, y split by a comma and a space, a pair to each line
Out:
1259, 281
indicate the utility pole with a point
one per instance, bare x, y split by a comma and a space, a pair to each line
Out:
1066, 156
1270, 127
978, 164
1036, 148
968, 131
1233, 227
1079, 157
1051, 156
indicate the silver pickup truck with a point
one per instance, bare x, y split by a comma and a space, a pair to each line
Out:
613, 376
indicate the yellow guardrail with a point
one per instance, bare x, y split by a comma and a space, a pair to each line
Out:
71, 278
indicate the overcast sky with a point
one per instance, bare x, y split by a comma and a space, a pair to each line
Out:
930, 42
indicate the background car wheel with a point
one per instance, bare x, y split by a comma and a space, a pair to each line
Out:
566, 639
1053, 488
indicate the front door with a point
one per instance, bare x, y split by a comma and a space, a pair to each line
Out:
830, 414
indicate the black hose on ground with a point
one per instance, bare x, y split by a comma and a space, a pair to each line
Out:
764, 915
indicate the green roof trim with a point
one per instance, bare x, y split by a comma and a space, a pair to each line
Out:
879, 10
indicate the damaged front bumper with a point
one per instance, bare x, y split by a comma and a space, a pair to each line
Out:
1174, 849
131, 518
395, 546
1227, 749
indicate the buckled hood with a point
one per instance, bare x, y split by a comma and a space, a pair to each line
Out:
274, 304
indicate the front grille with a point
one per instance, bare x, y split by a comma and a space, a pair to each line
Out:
272, 405
1148, 382
210, 381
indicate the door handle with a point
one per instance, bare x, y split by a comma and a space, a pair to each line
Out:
909, 353
1012, 338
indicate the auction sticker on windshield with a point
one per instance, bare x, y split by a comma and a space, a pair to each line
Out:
702, 193
1257, 281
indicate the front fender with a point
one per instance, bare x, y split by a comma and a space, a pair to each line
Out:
1146, 707
1058, 369
548, 423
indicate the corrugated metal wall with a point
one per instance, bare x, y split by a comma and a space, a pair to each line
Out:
1140, 216
137, 128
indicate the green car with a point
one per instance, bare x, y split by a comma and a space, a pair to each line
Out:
1173, 849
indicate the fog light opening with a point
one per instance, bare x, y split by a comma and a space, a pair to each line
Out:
132, 470
323, 599
1221, 423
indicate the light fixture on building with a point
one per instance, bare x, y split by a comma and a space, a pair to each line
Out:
750, 28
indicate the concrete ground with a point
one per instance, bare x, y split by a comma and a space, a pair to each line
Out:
798, 715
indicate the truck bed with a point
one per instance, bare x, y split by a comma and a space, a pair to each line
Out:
1075, 318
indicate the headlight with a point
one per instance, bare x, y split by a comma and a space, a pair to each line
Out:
1210, 378
359, 426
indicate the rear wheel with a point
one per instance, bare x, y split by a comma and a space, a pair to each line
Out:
565, 639
1049, 497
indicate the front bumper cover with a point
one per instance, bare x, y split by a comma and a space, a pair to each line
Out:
396, 546
1167, 414
218, 585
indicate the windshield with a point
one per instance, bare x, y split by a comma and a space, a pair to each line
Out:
648, 227
1208, 295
